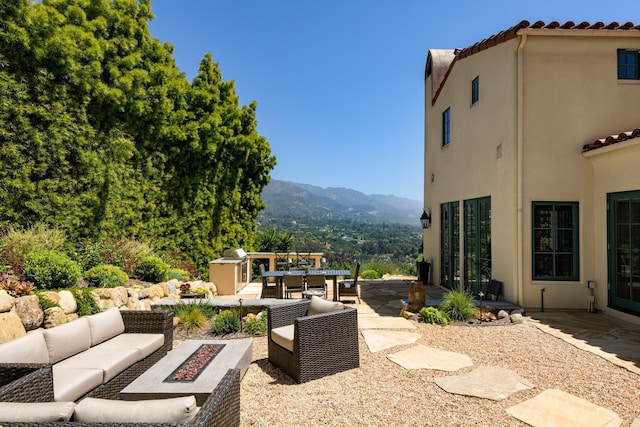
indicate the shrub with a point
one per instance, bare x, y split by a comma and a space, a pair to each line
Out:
433, 315
380, 266
179, 274
50, 269
369, 275
18, 244
15, 286
153, 269
183, 309
458, 305
130, 253
87, 304
227, 322
106, 276
256, 325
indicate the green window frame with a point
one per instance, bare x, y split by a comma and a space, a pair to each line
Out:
555, 241
446, 127
450, 245
475, 90
477, 243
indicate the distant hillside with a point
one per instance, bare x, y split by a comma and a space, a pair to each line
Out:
294, 201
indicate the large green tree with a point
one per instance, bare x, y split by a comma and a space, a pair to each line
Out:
102, 135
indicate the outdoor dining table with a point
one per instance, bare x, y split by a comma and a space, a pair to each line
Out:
330, 274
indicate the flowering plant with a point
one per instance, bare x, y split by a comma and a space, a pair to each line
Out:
185, 287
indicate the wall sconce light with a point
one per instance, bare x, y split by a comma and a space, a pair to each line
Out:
425, 219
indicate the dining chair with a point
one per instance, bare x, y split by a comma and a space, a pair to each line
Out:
268, 290
304, 259
317, 281
350, 288
293, 283
282, 261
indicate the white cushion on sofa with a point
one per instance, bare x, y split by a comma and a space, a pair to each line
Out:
40, 412
320, 305
144, 344
68, 339
283, 336
30, 348
105, 325
110, 360
173, 410
73, 383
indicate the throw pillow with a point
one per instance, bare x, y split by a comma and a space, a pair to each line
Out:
173, 410
319, 305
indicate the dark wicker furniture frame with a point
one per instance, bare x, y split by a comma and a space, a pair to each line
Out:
324, 344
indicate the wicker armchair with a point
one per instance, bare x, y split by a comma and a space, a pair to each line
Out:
323, 344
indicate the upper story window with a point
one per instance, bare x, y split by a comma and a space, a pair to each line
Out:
628, 64
475, 90
446, 127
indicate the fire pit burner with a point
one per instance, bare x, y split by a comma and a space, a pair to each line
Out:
189, 370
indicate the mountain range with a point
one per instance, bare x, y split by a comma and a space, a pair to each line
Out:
294, 201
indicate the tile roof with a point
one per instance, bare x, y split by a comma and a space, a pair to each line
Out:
611, 139
512, 32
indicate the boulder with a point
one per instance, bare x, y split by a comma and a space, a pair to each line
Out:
516, 318
158, 290
502, 314
52, 296
105, 304
6, 301
10, 327
145, 293
172, 286
119, 296
53, 317
71, 317
67, 302
29, 311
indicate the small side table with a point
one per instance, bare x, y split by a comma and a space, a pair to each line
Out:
313, 292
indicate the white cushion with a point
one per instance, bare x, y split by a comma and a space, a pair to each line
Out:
40, 412
283, 336
73, 383
68, 339
105, 325
111, 361
30, 348
144, 344
174, 410
320, 305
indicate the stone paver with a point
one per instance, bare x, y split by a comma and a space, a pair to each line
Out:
487, 382
423, 357
378, 340
556, 408
384, 322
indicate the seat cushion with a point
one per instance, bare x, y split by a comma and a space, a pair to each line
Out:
347, 285
105, 325
68, 339
283, 336
320, 305
111, 361
144, 344
40, 412
72, 383
30, 348
173, 410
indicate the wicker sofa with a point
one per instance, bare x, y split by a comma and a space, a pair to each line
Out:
322, 338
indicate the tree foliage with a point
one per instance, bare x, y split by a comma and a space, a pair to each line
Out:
102, 135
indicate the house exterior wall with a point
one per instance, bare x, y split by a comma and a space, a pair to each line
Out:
545, 95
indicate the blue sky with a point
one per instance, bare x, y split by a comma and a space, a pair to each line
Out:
339, 83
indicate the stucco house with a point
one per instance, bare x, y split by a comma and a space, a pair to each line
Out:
532, 165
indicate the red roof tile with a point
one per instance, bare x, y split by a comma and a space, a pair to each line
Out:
611, 139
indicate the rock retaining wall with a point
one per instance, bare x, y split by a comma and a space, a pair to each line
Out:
22, 314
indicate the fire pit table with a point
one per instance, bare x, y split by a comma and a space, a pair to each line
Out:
195, 367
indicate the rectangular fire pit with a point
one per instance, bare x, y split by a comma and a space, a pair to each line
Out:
195, 367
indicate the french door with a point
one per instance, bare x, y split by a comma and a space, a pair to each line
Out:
623, 220
450, 245
477, 244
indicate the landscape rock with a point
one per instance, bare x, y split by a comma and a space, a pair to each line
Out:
516, 318
503, 314
145, 293
71, 317
172, 286
53, 317
6, 301
29, 311
67, 302
52, 296
10, 327
105, 304
158, 290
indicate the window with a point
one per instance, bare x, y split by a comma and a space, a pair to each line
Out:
477, 243
450, 245
555, 241
446, 127
475, 90
628, 64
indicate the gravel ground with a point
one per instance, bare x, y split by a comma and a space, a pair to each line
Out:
382, 393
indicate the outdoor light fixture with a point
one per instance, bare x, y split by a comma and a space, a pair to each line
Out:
425, 219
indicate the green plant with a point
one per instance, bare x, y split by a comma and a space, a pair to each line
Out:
18, 244
486, 316
45, 302
181, 309
433, 315
369, 275
87, 304
226, 322
51, 269
256, 325
380, 266
153, 269
15, 286
106, 276
179, 274
458, 305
